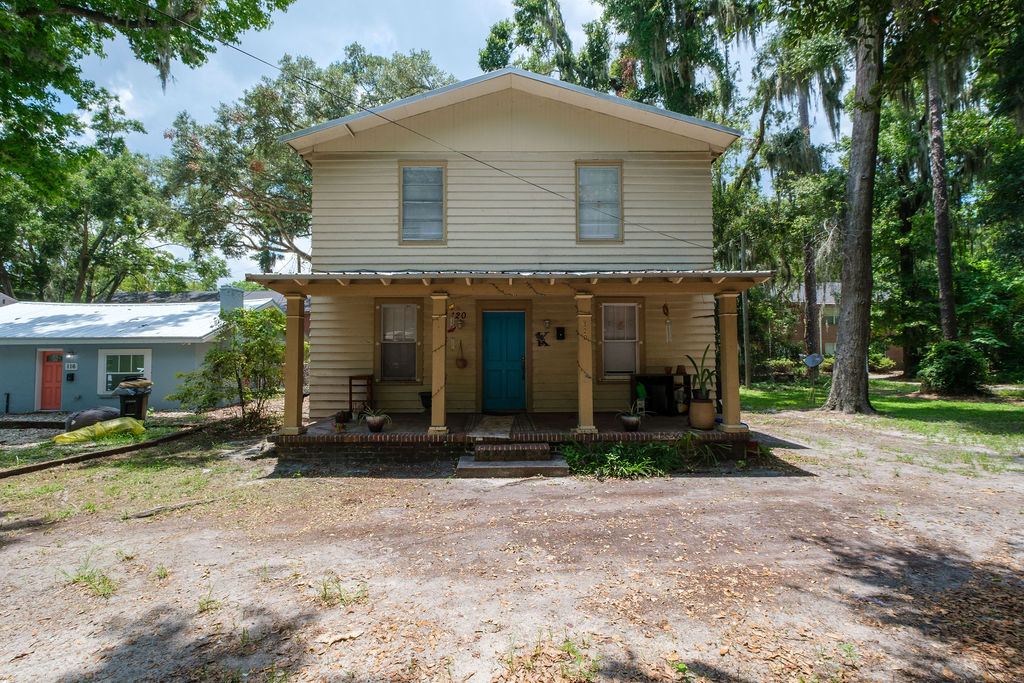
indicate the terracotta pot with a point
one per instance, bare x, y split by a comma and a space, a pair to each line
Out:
375, 423
630, 423
702, 413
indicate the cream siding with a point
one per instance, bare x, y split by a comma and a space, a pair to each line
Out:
497, 222
342, 339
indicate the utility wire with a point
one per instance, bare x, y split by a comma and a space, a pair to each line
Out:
356, 105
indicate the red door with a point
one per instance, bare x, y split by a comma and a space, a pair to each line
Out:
53, 376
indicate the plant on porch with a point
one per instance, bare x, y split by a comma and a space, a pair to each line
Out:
702, 408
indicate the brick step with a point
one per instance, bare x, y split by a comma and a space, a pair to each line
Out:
511, 469
495, 452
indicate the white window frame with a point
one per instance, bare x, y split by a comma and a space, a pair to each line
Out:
580, 165
636, 340
402, 165
381, 342
101, 372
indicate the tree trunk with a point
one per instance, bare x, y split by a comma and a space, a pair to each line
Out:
811, 342
940, 200
850, 374
911, 199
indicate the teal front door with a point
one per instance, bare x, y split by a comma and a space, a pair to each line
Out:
504, 366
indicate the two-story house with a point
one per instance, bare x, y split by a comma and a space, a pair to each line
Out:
509, 243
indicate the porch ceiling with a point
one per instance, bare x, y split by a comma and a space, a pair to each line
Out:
353, 282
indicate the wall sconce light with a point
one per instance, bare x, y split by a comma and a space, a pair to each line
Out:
70, 356
547, 323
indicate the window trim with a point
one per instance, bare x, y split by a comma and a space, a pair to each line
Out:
444, 202
580, 239
377, 355
101, 369
641, 326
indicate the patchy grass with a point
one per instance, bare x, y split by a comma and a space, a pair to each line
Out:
188, 468
994, 424
550, 660
332, 592
48, 450
92, 577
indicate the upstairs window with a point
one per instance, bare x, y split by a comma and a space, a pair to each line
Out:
399, 331
619, 339
422, 202
599, 201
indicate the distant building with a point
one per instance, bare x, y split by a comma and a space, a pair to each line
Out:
56, 356
828, 321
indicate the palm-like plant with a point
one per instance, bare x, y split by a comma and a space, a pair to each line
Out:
702, 375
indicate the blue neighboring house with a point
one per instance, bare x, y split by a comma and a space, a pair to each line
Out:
67, 357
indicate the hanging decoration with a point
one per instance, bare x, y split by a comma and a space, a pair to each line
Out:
668, 323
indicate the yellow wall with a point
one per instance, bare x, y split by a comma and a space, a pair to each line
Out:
343, 337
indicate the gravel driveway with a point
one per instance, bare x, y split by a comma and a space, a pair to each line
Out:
841, 561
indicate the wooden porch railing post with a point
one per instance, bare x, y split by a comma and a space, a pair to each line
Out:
295, 322
730, 363
438, 361
585, 362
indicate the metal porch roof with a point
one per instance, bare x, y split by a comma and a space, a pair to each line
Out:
29, 321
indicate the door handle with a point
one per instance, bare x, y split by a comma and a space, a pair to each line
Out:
522, 365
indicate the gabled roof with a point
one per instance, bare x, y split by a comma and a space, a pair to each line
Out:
31, 322
716, 135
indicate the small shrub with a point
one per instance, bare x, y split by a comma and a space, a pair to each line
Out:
780, 367
827, 364
878, 362
622, 460
952, 367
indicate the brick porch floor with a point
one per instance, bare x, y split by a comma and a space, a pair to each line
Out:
406, 438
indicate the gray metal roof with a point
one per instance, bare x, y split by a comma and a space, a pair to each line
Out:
29, 321
383, 109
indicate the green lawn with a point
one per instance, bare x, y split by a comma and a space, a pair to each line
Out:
995, 423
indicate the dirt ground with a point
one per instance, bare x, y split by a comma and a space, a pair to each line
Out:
854, 556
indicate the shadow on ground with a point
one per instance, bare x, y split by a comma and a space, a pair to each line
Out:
969, 614
158, 646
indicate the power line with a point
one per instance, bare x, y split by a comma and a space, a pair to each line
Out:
357, 105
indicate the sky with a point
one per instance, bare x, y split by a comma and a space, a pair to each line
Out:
453, 31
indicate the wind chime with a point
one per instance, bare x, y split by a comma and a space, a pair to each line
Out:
668, 323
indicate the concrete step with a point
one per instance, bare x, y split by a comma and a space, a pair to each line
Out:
494, 452
511, 469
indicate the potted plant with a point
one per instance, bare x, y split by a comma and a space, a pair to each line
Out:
702, 408
375, 418
631, 416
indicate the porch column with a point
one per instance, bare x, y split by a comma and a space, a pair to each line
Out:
438, 361
730, 363
585, 362
295, 323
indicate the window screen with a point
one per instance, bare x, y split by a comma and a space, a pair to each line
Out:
598, 208
398, 325
422, 203
619, 337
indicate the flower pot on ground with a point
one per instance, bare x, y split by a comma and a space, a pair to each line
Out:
702, 413
375, 419
631, 417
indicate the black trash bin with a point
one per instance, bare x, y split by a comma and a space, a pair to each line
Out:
134, 400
